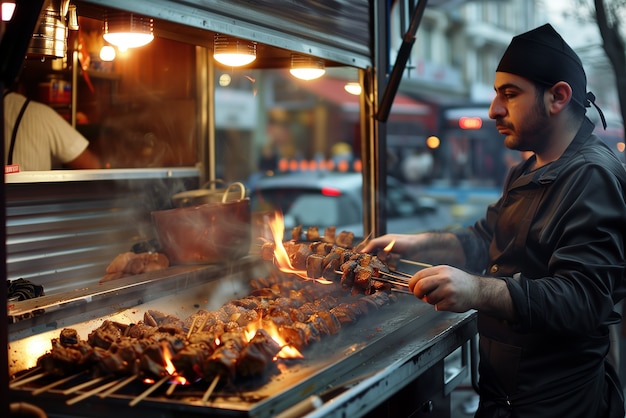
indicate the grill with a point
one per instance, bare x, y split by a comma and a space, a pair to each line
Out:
374, 358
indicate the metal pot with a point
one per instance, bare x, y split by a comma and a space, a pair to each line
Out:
208, 233
209, 194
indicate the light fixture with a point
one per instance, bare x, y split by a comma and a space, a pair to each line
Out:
7, 11
128, 30
306, 67
353, 88
233, 52
107, 53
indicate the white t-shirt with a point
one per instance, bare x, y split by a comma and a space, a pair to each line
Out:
44, 139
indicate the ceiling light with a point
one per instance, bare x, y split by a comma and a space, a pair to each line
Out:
128, 30
107, 53
353, 88
7, 11
306, 68
233, 52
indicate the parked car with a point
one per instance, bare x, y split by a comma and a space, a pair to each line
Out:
335, 199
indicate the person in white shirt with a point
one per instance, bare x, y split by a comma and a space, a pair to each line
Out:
37, 138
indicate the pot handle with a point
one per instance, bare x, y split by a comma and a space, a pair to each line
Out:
212, 182
242, 189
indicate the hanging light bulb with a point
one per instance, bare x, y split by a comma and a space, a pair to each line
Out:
6, 13
353, 88
233, 52
107, 53
128, 30
306, 68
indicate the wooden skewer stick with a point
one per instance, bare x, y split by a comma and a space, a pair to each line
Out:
193, 324
402, 284
90, 393
391, 275
401, 273
83, 385
28, 379
170, 389
206, 318
55, 384
210, 390
117, 387
147, 392
415, 263
400, 290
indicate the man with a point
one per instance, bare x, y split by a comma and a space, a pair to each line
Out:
38, 138
545, 267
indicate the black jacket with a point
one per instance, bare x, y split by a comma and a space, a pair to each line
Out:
556, 236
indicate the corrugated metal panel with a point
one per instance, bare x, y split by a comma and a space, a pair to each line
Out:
63, 235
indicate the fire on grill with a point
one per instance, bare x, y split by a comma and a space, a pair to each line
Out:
244, 342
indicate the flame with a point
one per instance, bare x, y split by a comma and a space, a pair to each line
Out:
389, 246
286, 351
281, 258
169, 366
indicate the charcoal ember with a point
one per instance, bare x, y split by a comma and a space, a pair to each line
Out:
22, 289
258, 354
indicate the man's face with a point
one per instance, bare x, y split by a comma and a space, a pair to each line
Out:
519, 114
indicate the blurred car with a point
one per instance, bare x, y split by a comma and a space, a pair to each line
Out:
335, 199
